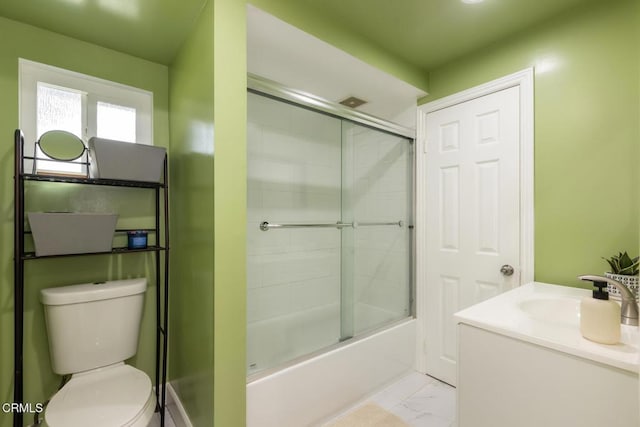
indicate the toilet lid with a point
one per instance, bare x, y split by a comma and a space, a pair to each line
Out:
108, 397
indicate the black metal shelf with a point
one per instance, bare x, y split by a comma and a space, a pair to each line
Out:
91, 181
124, 250
161, 272
118, 230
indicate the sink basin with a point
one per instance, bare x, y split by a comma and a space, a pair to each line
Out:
555, 310
549, 316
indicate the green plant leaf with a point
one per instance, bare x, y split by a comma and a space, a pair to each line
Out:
623, 264
635, 266
627, 271
614, 267
610, 264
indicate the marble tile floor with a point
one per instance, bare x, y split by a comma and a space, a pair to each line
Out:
419, 400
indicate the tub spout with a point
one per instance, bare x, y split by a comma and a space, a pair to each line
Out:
629, 309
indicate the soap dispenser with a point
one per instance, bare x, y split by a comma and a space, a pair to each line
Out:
600, 317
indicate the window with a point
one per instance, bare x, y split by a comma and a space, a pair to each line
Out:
116, 122
54, 98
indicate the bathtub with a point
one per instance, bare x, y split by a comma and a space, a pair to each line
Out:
314, 390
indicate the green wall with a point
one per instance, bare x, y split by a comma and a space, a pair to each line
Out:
586, 134
230, 198
49, 48
192, 220
208, 178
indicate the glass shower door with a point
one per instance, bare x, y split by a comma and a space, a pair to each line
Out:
329, 205
377, 197
293, 274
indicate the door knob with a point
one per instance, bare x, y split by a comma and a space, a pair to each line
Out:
506, 270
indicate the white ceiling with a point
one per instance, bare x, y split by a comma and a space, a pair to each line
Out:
281, 52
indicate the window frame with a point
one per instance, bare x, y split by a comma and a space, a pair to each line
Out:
94, 90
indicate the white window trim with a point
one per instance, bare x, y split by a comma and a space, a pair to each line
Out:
30, 73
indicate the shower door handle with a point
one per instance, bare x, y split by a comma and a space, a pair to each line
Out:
265, 225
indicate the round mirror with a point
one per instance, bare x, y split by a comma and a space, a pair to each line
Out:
61, 145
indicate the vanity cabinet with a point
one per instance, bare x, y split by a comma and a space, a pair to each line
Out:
507, 382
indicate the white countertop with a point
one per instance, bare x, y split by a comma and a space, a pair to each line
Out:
557, 328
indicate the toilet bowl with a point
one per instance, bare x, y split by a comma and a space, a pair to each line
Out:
92, 329
117, 395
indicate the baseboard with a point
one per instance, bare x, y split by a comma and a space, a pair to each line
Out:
176, 409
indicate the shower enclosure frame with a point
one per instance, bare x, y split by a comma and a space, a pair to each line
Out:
280, 92
274, 90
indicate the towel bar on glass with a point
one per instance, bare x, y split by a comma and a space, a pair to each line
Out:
265, 225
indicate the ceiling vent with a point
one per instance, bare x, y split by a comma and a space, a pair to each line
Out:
353, 102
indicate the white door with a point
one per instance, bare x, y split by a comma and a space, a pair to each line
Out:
472, 214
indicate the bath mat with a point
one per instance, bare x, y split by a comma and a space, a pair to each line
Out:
369, 415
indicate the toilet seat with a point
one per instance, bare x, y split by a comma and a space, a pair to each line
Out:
117, 395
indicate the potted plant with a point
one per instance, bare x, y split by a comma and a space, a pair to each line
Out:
624, 269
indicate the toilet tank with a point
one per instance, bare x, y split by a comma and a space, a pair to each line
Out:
94, 324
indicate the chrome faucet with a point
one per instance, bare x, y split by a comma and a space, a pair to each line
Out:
629, 309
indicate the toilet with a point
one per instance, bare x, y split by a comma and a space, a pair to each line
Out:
93, 328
